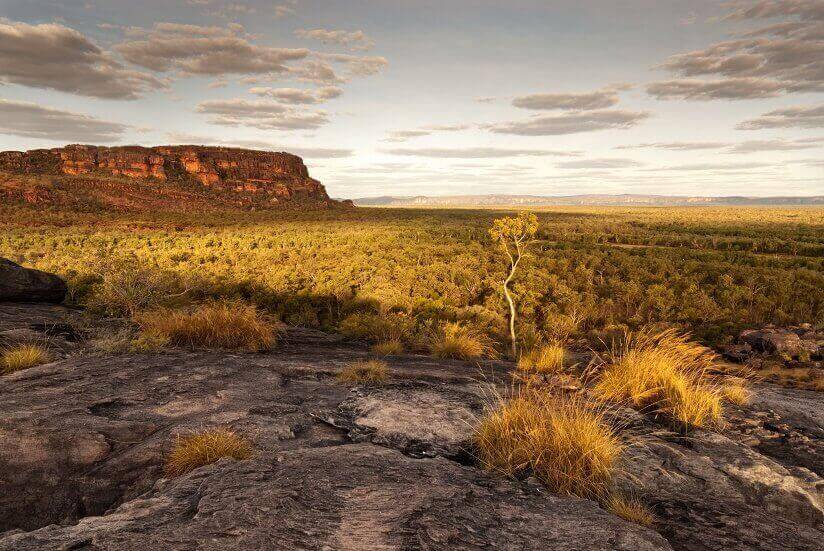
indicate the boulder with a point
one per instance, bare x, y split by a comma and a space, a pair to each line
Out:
773, 341
19, 284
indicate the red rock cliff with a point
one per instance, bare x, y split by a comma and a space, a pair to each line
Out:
274, 177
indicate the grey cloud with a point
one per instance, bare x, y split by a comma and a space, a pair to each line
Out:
755, 146
676, 146
570, 123
358, 66
783, 57
599, 99
711, 167
354, 40
599, 163
733, 88
405, 135
261, 114
792, 117
479, 153
59, 58
34, 121
297, 96
165, 50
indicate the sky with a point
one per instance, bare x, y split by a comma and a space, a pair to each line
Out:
454, 97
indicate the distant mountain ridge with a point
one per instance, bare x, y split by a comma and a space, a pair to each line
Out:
590, 199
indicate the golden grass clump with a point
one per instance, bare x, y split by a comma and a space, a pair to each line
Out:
666, 372
365, 372
564, 442
203, 448
460, 342
629, 508
736, 393
378, 327
22, 356
226, 324
545, 358
387, 348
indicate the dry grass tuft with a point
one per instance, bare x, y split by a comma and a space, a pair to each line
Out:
203, 448
666, 372
460, 342
736, 393
546, 358
387, 348
22, 356
631, 509
365, 372
564, 442
230, 325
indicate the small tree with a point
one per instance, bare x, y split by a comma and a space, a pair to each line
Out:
514, 234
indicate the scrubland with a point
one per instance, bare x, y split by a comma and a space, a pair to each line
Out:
411, 277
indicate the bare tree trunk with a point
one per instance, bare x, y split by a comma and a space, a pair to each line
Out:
513, 266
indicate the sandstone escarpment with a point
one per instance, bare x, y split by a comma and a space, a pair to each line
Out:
239, 177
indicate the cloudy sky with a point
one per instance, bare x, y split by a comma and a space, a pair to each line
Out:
395, 97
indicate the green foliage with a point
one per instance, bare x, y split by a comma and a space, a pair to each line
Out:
591, 270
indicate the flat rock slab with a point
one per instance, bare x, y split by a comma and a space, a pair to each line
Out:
350, 497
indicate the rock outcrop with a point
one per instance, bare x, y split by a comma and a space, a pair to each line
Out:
341, 466
259, 177
19, 284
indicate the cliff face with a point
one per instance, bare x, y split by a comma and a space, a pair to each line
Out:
244, 176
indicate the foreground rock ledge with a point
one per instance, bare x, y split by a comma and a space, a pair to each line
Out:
346, 467
356, 497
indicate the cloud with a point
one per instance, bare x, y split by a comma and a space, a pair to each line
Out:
599, 99
755, 146
34, 121
189, 50
261, 114
479, 153
485, 99
406, 135
297, 96
676, 146
792, 117
354, 40
783, 57
300, 151
711, 167
570, 123
733, 88
599, 163
59, 58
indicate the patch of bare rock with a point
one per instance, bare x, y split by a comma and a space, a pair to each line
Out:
341, 466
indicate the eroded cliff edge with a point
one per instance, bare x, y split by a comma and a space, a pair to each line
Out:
151, 177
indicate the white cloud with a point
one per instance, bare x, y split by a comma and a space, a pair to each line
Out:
570, 123
34, 121
353, 40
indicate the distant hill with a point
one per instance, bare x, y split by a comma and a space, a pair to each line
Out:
605, 200
158, 178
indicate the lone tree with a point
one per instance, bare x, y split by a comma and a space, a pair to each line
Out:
514, 235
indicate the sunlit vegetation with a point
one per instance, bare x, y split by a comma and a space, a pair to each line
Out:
21, 357
564, 442
369, 372
544, 358
382, 275
205, 447
665, 371
629, 508
225, 324
387, 348
461, 342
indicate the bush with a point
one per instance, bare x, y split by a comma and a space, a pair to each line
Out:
547, 358
630, 509
461, 343
365, 372
204, 448
666, 372
387, 348
564, 442
230, 325
22, 356
378, 327
127, 286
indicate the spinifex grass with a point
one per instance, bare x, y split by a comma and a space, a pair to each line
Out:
203, 448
